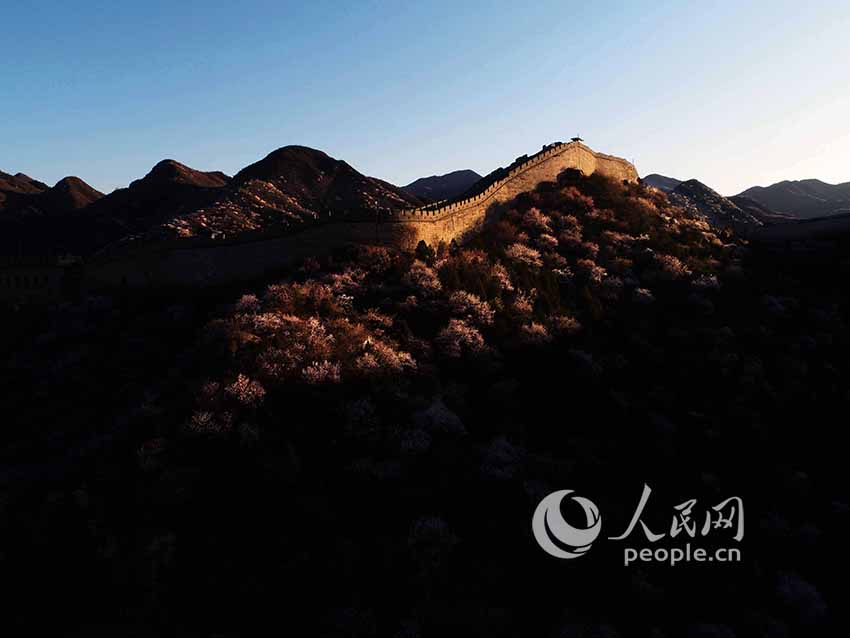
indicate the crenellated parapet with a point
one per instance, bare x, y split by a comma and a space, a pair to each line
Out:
455, 220
542, 166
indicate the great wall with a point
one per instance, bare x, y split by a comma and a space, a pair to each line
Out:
202, 261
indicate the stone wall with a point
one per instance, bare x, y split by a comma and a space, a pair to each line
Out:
198, 262
457, 220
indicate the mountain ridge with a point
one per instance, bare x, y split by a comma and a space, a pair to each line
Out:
447, 186
803, 199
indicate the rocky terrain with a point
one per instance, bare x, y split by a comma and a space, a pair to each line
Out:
291, 186
717, 210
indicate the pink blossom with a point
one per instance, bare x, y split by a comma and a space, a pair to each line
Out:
459, 337
248, 392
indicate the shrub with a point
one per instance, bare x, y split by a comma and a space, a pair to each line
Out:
460, 338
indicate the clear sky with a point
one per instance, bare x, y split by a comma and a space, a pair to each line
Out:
732, 93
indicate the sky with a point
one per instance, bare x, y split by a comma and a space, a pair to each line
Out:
735, 94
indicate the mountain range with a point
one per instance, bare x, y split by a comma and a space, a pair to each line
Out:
804, 199
21, 196
736, 212
297, 185
780, 202
292, 185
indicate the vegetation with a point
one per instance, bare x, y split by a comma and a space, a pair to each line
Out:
361, 445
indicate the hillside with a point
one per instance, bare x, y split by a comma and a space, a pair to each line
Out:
69, 194
169, 188
803, 199
661, 182
761, 212
291, 186
20, 183
21, 196
376, 424
717, 210
38, 220
439, 187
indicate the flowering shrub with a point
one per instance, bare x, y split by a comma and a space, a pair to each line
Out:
471, 308
671, 267
524, 303
564, 324
460, 338
246, 391
535, 333
533, 219
588, 269
321, 372
547, 242
422, 279
523, 254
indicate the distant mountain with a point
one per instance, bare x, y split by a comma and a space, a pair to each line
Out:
36, 219
439, 187
289, 187
16, 190
22, 196
168, 190
292, 186
804, 199
759, 211
738, 211
717, 210
20, 183
661, 182
69, 193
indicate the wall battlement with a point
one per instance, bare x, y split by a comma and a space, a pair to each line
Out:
574, 155
210, 262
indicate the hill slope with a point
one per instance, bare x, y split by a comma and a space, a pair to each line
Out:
69, 193
803, 199
439, 187
169, 189
289, 187
17, 190
661, 182
33, 216
717, 210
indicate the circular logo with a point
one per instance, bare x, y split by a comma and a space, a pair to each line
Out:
549, 526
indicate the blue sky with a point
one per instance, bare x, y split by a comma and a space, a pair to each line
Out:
733, 93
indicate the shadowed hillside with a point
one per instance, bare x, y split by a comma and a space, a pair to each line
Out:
661, 182
378, 426
717, 210
803, 199
439, 187
21, 196
291, 186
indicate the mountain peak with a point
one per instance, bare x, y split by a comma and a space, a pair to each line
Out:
21, 183
807, 198
719, 211
291, 161
169, 171
661, 182
71, 193
439, 187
